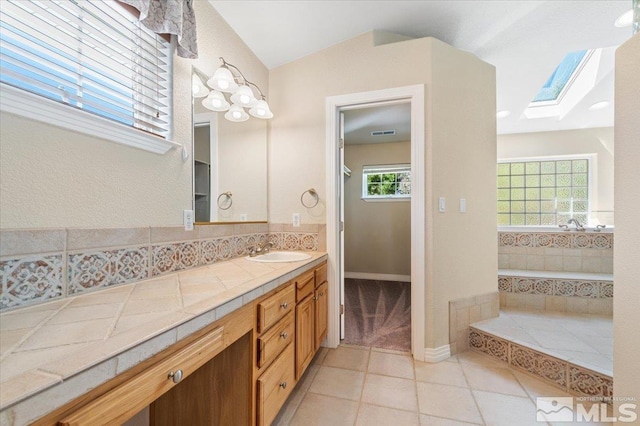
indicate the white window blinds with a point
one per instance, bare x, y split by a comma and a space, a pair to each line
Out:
91, 55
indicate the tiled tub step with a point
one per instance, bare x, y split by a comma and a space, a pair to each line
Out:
565, 375
574, 292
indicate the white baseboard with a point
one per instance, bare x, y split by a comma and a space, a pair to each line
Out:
437, 354
379, 277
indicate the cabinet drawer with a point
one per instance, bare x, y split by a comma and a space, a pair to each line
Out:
271, 343
117, 405
321, 274
275, 307
275, 385
304, 285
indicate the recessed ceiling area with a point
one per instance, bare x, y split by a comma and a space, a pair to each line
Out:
524, 40
360, 123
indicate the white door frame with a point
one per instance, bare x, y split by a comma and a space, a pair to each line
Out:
415, 95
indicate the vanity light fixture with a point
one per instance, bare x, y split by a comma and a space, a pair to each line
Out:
229, 79
198, 88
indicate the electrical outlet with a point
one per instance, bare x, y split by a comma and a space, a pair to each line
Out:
188, 220
296, 219
243, 217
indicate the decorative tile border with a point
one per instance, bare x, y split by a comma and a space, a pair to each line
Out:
563, 374
28, 276
106, 268
555, 240
556, 287
31, 279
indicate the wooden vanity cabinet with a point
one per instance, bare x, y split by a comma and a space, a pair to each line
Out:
275, 361
311, 315
190, 382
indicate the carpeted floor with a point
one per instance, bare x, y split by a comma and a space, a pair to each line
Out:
378, 314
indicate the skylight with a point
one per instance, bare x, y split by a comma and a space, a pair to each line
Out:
560, 77
569, 83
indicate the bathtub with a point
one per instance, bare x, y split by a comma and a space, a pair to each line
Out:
536, 229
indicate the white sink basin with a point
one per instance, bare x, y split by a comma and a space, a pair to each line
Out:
280, 256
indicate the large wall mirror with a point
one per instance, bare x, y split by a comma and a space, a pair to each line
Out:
229, 166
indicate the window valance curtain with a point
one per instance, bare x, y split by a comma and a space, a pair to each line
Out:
175, 17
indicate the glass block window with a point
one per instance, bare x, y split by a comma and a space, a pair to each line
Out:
386, 181
543, 192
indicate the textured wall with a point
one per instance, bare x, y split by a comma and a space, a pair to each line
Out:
51, 177
571, 142
626, 258
460, 137
377, 237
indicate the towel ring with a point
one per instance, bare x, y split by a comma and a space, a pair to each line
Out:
314, 194
228, 197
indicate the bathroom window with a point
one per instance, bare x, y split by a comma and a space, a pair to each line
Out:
386, 182
543, 191
90, 56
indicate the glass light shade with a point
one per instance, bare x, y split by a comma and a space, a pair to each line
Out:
198, 88
236, 113
223, 81
215, 101
261, 110
244, 96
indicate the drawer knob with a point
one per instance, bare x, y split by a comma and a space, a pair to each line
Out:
284, 335
314, 298
284, 305
322, 293
176, 376
283, 385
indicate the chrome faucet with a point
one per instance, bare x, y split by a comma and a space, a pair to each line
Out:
579, 227
261, 249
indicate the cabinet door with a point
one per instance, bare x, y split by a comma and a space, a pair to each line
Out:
321, 314
305, 342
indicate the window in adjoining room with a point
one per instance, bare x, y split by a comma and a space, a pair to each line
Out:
386, 182
92, 56
544, 191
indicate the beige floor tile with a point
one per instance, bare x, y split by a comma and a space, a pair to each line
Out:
452, 358
445, 373
536, 387
390, 351
439, 421
506, 410
383, 416
449, 402
391, 392
389, 364
348, 358
480, 360
493, 380
338, 382
322, 410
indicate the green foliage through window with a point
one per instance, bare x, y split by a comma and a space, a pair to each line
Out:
386, 181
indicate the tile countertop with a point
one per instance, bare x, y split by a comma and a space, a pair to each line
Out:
61, 349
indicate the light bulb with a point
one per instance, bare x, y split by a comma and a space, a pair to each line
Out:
223, 84
236, 114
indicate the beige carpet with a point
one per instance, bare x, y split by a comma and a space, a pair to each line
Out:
378, 314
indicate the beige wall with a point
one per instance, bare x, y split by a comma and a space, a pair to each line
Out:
571, 142
377, 236
50, 177
626, 257
460, 137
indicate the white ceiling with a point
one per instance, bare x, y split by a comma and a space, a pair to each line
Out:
359, 123
525, 40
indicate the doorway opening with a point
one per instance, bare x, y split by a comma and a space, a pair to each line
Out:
377, 225
336, 107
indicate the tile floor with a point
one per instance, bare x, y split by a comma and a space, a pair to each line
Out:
354, 385
585, 340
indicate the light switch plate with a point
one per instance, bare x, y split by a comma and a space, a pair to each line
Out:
463, 205
188, 220
442, 204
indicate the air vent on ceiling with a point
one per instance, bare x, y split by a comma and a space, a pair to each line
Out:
383, 133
